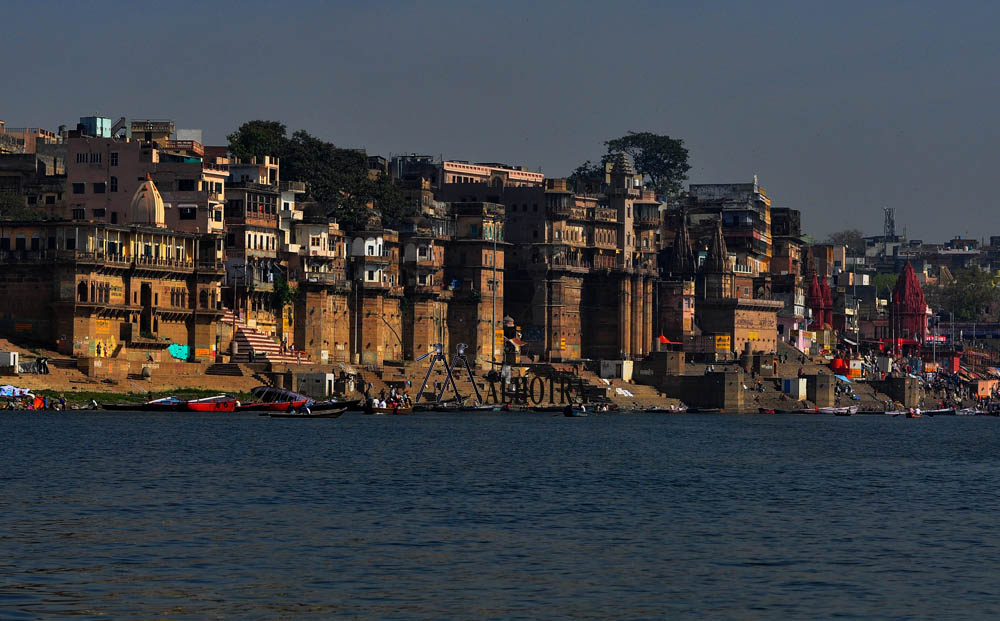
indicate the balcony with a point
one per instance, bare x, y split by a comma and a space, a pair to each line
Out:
375, 259
250, 185
291, 248
157, 263
325, 278
185, 145
299, 187
602, 214
647, 222
208, 266
318, 251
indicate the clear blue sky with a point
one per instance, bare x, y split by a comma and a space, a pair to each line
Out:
840, 108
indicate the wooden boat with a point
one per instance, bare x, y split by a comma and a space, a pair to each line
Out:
939, 412
838, 411
914, 414
574, 413
330, 413
704, 410
166, 404
276, 406
393, 411
670, 410
323, 406
220, 403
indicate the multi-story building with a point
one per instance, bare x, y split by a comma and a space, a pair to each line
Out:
425, 241
745, 211
38, 178
474, 270
440, 173
317, 262
24, 139
140, 291
375, 313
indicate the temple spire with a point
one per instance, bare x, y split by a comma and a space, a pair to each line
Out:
718, 254
682, 261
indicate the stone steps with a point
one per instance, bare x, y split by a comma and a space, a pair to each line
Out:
228, 370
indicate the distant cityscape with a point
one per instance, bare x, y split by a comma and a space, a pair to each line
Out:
139, 243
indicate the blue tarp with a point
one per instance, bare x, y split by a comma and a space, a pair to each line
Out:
181, 352
842, 378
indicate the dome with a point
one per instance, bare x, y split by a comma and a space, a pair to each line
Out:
147, 205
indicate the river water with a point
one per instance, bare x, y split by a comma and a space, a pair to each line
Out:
498, 516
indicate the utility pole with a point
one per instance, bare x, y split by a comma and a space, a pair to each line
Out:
493, 322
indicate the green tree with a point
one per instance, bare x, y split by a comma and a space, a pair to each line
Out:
258, 138
853, 239
336, 179
282, 295
660, 158
971, 296
13, 207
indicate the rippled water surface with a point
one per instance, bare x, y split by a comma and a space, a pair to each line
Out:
513, 515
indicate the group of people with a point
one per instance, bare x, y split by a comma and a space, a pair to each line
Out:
33, 402
394, 400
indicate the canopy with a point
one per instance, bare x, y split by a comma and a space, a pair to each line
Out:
843, 378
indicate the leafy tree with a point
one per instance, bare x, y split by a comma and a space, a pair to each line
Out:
883, 282
336, 179
853, 239
664, 160
258, 138
971, 296
282, 295
13, 207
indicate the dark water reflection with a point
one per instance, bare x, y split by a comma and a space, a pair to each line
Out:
498, 516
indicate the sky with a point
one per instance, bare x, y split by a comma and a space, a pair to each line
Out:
840, 108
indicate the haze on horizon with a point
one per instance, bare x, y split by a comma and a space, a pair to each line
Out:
840, 109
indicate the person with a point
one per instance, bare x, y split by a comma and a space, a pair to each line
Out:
253, 355
93, 404
62, 402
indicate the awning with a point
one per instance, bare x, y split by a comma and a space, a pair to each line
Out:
843, 378
665, 341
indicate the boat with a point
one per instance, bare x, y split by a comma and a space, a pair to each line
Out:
330, 413
393, 411
670, 410
276, 406
837, 411
940, 412
914, 414
569, 412
704, 410
219, 403
166, 404
322, 406
971, 412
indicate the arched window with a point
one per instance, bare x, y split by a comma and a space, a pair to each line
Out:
81, 292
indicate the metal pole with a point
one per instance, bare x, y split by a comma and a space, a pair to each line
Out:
493, 318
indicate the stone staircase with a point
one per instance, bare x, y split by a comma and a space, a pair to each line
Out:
227, 370
265, 348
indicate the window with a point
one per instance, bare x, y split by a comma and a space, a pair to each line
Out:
114, 158
79, 188
81, 158
52, 243
230, 240
114, 217
5, 243
50, 200
100, 188
79, 213
99, 212
95, 158
188, 213
114, 184
217, 215
371, 275
185, 185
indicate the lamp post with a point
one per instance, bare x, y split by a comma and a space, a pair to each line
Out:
493, 314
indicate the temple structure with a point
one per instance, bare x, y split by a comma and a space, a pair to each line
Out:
908, 309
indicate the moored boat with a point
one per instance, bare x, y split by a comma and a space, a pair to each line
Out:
166, 404
330, 413
218, 403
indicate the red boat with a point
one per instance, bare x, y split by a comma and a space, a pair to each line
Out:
221, 403
271, 406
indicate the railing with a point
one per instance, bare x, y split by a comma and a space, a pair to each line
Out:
293, 186
185, 145
250, 185
324, 278
606, 215
648, 221
163, 262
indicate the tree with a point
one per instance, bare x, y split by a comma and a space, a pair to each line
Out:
971, 296
664, 160
282, 295
258, 138
853, 239
13, 207
336, 179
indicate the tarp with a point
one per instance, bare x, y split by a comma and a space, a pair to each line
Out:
181, 352
843, 378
